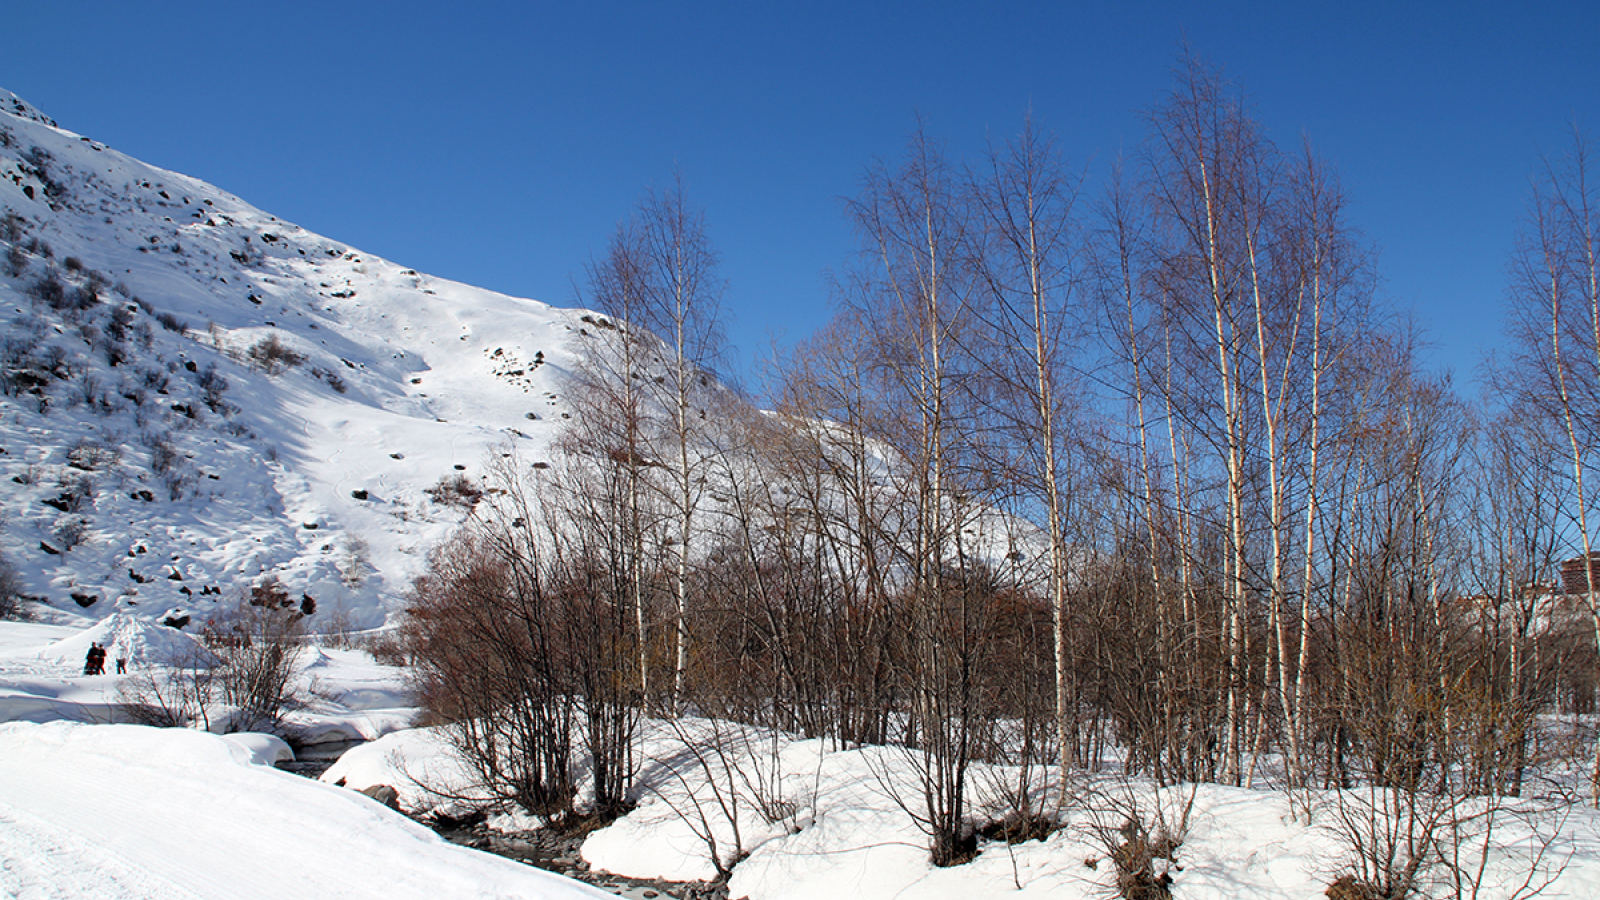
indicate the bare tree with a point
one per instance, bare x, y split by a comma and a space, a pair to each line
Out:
680, 300
1555, 296
615, 421
915, 296
1026, 246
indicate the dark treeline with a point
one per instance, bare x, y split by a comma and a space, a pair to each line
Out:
1141, 474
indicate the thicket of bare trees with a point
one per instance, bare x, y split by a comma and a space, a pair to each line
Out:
1146, 478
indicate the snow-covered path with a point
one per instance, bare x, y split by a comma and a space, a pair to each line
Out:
124, 812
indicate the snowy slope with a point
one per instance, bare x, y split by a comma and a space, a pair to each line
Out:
123, 489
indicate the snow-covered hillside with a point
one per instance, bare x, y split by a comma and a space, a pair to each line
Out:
197, 395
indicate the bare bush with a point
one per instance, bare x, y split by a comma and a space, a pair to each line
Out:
77, 489
16, 261
172, 323
180, 696
1141, 832
90, 456
259, 644
10, 590
70, 532
271, 355
50, 290
164, 457
212, 386
457, 490
486, 667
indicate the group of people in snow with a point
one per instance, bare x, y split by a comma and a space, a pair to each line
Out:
95, 662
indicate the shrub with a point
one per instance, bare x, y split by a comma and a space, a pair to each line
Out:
10, 590
76, 489
387, 650
330, 378
243, 680
87, 456
71, 532
50, 289
118, 324
88, 388
16, 261
37, 162
456, 490
1142, 861
261, 645
213, 386
273, 356
163, 456
480, 644
172, 323
82, 298
13, 227
19, 371
354, 561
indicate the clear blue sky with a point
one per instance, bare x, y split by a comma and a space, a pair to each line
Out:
500, 143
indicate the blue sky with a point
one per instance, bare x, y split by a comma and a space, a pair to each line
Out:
500, 143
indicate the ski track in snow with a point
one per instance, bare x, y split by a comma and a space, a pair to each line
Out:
42, 861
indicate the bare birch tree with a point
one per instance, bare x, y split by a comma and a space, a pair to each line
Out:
680, 294
917, 297
1025, 257
1555, 296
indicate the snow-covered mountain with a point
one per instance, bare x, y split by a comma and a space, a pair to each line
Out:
197, 395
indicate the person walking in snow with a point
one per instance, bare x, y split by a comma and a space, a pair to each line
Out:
95, 662
88, 661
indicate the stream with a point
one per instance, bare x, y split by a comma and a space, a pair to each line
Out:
550, 850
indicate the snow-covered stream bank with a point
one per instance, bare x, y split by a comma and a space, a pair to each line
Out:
562, 854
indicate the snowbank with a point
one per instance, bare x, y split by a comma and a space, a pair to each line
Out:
418, 763
260, 749
124, 812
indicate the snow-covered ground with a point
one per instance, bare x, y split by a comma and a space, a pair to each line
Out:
846, 829
126, 812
